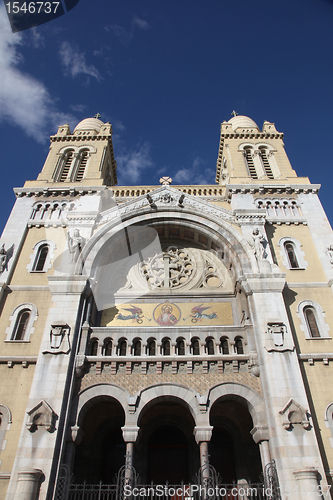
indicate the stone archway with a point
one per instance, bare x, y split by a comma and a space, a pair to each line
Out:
166, 449
102, 449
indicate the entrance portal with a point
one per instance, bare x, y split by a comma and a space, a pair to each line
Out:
167, 456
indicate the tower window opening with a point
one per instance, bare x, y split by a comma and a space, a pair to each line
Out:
67, 165
82, 166
311, 322
250, 163
265, 162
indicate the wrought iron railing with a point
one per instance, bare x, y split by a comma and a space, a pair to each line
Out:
206, 485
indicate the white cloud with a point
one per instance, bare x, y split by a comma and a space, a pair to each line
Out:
74, 62
79, 108
195, 175
126, 36
183, 176
140, 23
132, 164
24, 100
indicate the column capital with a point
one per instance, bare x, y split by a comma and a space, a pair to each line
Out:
202, 433
130, 434
259, 433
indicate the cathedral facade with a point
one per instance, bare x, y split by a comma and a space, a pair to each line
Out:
168, 328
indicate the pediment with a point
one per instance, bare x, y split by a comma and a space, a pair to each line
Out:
166, 197
41, 415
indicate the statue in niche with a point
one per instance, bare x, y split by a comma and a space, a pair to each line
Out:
75, 245
3, 258
330, 253
259, 245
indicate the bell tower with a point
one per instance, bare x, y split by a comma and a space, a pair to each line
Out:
248, 155
84, 157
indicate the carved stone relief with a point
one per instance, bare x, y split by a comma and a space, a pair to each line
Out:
277, 337
59, 339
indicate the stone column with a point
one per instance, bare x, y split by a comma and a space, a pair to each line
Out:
264, 454
202, 436
130, 435
307, 483
260, 436
27, 484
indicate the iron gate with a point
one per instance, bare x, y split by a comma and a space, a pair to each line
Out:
206, 485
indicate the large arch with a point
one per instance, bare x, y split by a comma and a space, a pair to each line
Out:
168, 392
88, 397
241, 253
245, 395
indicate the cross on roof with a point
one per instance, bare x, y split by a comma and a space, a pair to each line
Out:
97, 115
234, 113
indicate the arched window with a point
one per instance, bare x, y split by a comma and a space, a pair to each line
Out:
151, 347
108, 347
137, 348
311, 321
248, 153
122, 348
195, 347
312, 318
21, 325
40, 260
209, 346
292, 254
94, 347
82, 166
224, 345
180, 347
66, 165
166, 347
239, 349
265, 162
290, 249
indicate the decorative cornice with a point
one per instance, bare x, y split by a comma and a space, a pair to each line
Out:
79, 138
271, 188
66, 190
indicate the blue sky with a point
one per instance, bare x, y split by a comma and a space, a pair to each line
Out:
166, 73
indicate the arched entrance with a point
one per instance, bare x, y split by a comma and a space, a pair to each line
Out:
232, 450
102, 450
167, 455
166, 449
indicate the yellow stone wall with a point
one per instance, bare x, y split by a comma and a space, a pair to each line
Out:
14, 392
314, 271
